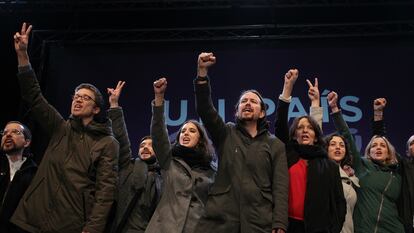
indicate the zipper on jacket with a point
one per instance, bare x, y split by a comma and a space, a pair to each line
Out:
382, 202
7, 190
4, 196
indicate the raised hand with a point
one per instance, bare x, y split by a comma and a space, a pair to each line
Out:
205, 60
379, 104
160, 85
349, 170
114, 94
333, 101
21, 39
290, 78
313, 93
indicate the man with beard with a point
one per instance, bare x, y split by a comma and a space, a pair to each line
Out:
74, 187
250, 193
16, 171
140, 179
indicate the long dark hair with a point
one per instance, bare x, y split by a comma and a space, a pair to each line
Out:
203, 145
315, 126
347, 160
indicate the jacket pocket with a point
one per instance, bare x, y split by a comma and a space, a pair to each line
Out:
267, 194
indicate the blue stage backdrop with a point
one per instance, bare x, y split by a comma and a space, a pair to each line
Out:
359, 74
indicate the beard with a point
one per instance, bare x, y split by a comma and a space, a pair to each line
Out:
247, 117
10, 150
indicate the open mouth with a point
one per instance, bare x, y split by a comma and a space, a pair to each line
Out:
186, 140
146, 152
305, 137
8, 141
77, 106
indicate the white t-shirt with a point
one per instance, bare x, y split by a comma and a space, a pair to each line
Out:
15, 166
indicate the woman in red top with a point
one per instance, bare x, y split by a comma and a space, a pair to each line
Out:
316, 199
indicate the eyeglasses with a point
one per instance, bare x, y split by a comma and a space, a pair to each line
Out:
12, 132
82, 97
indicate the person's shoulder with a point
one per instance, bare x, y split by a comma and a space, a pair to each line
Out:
108, 141
272, 139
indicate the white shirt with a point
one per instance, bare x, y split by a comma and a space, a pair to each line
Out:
15, 166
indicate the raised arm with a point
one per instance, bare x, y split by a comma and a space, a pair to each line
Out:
281, 120
43, 113
116, 114
204, 105
159, 133
378, 126
316, 111
343, 129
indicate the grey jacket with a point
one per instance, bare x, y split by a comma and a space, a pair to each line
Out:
185, 189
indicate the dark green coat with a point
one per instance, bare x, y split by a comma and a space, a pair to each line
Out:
75, 184
380, 188
250, 193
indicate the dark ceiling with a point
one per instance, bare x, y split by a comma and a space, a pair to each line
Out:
198, 21
317, 17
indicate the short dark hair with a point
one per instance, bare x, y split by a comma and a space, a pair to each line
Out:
347, 160
315, 126
99, 100
144, 138
26, 131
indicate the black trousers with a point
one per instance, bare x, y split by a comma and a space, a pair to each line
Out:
296, 226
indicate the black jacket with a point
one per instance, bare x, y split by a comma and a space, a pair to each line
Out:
250, 193
140, 183
325, 205
12, 192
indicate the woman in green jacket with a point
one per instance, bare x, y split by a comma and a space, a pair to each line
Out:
380, 182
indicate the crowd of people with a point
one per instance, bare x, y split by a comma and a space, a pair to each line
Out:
295, 179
